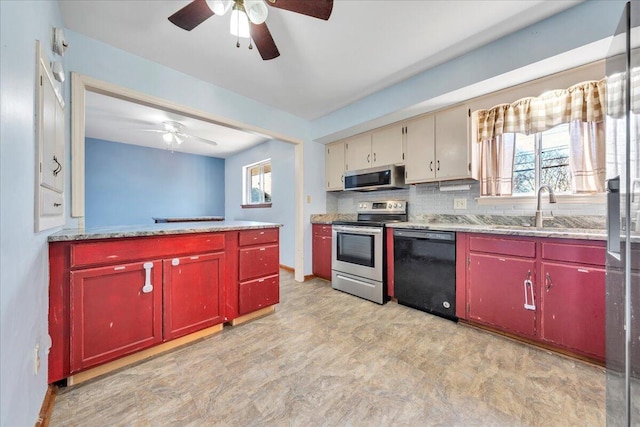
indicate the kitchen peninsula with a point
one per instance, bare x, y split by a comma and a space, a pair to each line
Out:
121, 294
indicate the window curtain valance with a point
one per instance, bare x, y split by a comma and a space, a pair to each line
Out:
583, 102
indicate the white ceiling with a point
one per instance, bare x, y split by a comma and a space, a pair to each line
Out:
113, 119
365, 46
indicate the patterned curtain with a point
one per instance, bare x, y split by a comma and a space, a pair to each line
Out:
581, 103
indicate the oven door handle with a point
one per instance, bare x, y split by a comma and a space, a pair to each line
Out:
357, 230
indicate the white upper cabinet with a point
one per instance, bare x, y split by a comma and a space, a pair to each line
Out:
334, 166
387, 146
358, 152
50, 149
420, 150
438, 147
453, 149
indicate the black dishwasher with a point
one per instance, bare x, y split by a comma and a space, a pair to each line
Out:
425, 271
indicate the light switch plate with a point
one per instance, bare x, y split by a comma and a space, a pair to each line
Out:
459, 203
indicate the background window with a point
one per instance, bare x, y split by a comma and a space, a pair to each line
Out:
542, 158
257, 179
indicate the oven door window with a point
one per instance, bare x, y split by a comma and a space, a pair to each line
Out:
355, 249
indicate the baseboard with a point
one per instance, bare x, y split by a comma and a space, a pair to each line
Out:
292, 270
47, 407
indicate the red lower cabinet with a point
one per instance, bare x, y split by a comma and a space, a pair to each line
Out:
497, 293
192, 293
548, 290
115, 311
321, 250
259, 293
573, 307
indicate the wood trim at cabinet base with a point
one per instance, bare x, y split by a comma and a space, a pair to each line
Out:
543, 346
141, 355
254, 315
47, 407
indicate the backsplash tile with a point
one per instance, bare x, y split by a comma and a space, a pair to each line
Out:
424, 199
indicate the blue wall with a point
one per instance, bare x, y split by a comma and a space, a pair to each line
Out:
24, 264
282, 197
128, 184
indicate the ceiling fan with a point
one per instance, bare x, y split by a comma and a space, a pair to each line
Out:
173, 132
248, 16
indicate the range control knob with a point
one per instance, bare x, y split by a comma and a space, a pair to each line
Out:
389, 205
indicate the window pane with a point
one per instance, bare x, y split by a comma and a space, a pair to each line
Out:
554, 161
256, 191
266, 179
524, 164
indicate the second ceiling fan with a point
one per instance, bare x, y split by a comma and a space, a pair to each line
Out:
248, 17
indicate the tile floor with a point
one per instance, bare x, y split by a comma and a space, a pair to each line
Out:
331, 359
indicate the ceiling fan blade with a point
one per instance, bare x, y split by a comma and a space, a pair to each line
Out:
264, 42
320, 9
186, 135
149, 130
192, 15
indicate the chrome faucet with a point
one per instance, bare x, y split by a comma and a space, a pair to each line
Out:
552, 199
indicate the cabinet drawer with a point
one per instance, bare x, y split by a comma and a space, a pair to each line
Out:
321, 230
258, 261
117, 251
503, 246
257, 237
571, 252
259, 293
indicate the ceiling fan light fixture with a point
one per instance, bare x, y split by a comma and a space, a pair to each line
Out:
239, 22
220, 7
256, 11
167, 137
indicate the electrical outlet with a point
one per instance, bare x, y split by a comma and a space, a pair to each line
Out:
459, 203
36, 359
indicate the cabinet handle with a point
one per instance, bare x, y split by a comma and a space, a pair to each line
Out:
263, 249
431, 166
57, 205
528, 290
549, 282
374, 157
341, 178
148, 287
194, 257
368, 158
58, 168
438, 167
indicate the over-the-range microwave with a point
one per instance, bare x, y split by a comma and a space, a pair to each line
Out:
378, 178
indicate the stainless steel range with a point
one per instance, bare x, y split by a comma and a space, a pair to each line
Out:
358, 263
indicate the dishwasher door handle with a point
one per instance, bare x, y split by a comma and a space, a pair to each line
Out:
427, 235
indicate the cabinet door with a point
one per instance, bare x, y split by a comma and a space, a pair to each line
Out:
452, 144
51, 132
334, 166
496, 292
115, 311
322, 256
386, 146
573, 307
420, 150
192, 293
258, 261
358, 152
259, 293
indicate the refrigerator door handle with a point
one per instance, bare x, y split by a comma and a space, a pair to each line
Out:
613, 217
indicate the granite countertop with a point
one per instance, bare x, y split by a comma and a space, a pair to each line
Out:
160, 229
585, 227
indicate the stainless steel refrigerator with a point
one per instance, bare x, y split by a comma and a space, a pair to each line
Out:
623, 218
